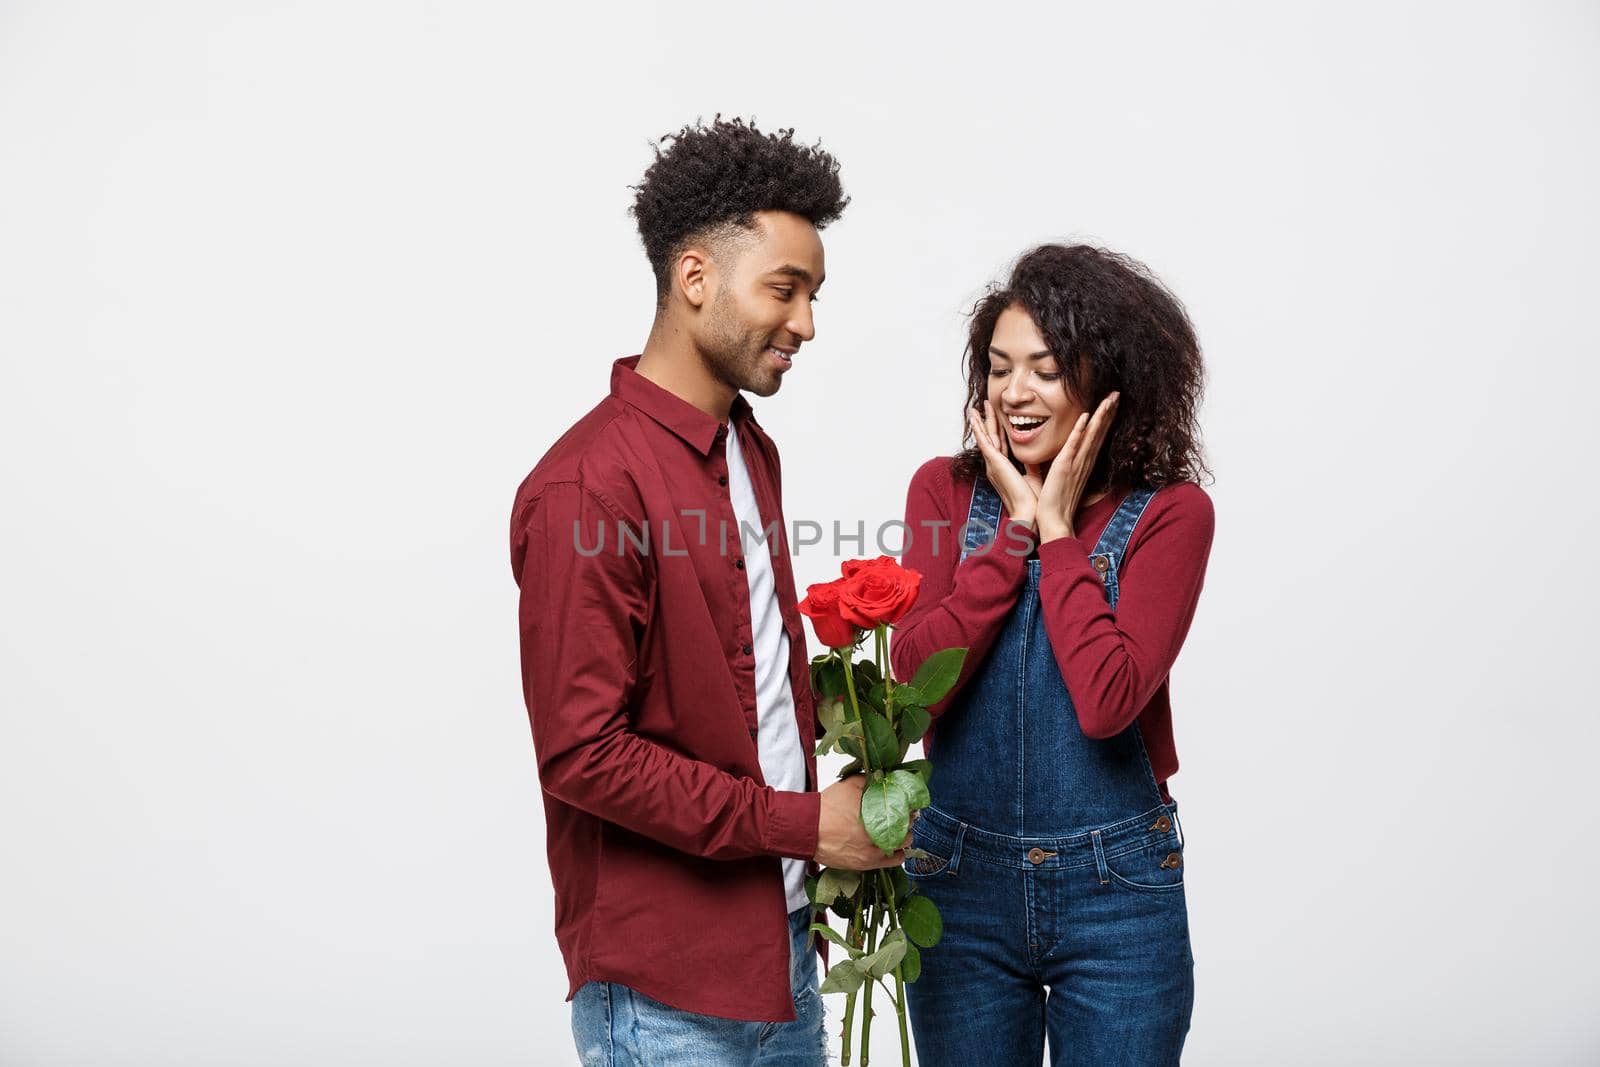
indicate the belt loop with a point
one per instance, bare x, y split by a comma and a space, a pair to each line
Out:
1100, 857
955, 849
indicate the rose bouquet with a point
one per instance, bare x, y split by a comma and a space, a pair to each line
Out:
874, 719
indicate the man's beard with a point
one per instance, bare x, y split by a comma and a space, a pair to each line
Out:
736, 356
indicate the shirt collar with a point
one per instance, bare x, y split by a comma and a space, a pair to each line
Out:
670, 410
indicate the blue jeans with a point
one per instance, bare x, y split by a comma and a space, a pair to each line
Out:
614, 1026
1098, 919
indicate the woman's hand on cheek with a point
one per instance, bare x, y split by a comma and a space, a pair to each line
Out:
1020, 498
1069, 471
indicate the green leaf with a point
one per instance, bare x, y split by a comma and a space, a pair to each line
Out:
921, 920
853, 767
831, 712
843, 977
911, 784
866, 672
913, 723
827, 677
883, 747
911, 966
836, 735
835, 883
882, 961
906, 696
811, 889
922, 768
837, 938
886, 812
938, 674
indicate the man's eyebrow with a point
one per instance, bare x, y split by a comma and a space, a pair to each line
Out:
1041, 354
798, 273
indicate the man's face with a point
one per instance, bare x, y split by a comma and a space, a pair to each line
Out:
760, 313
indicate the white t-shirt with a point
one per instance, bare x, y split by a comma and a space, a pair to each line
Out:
783, 762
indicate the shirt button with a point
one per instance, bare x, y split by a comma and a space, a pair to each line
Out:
722, 479
739, 563
748, 649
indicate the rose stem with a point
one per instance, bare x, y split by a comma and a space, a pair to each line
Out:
866, 1008
899, 970
850, 998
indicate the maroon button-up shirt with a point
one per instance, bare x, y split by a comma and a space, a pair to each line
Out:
663, 839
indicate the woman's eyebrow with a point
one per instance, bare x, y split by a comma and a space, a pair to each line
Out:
1041, 354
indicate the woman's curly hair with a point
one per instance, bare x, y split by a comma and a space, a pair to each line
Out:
1113, 327
716, 176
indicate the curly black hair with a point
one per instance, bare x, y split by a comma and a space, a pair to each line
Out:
716, 176
1113, 327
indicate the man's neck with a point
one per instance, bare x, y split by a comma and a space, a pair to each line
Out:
670, 360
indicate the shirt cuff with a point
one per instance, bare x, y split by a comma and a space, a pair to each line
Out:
792, 824
1063, 552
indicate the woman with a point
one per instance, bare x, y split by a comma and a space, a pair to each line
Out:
1053, 847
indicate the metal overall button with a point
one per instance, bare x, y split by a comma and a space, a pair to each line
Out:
1162, 824
1102, 564
1173, 861
1037, 856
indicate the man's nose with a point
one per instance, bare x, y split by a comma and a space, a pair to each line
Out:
801, 324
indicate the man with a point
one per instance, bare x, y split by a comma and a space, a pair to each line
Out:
664, 663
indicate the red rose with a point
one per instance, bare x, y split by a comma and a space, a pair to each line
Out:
853, 567
821, 606
877, 591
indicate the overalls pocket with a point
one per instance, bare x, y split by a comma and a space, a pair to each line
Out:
1153, 868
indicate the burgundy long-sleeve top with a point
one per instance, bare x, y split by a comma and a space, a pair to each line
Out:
1115, 665
639, 672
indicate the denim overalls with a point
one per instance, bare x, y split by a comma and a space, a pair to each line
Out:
1055, 863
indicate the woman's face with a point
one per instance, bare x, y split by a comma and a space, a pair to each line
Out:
1028, 391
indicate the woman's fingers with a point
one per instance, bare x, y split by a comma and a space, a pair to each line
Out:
1016, 494
1099, 427
1069, 451
1002, 439
1103, 415
980, 433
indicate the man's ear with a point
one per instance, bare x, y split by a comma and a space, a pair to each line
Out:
692, 275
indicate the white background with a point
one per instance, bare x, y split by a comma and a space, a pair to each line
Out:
293, 295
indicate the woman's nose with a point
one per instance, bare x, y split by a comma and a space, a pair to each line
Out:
1016, 390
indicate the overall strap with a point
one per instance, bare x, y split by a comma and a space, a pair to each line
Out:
1114, 540
983, 517
1113, 543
